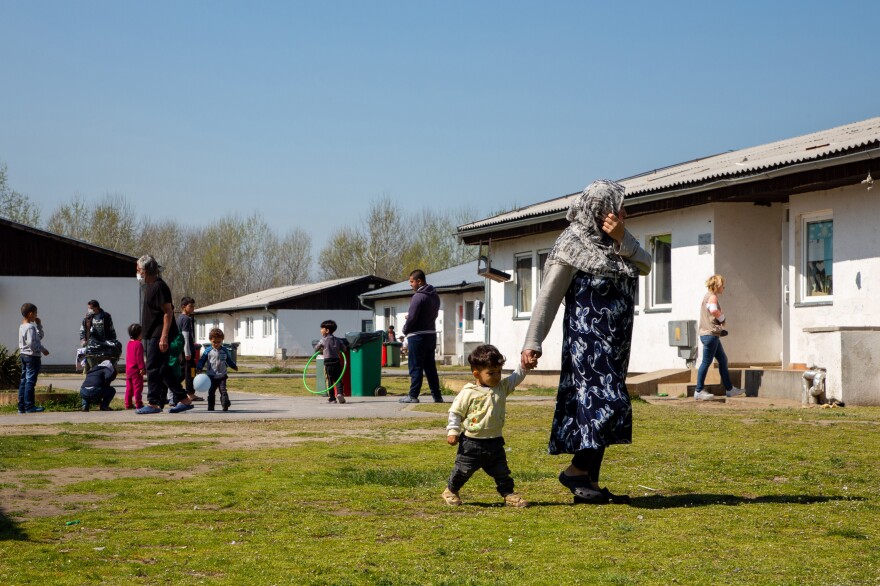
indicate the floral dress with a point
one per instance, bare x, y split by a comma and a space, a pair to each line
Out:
593, 408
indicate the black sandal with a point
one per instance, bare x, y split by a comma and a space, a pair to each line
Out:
617, 499
584, 495
573, 482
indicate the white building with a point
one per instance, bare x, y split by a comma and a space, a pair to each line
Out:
460, 321
792, 227
285, 320
60, 275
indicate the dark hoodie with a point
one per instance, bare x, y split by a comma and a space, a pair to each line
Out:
422, 315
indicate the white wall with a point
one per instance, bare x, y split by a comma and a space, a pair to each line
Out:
61, 302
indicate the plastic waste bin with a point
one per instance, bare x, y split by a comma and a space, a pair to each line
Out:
392, 351
322, 385
231, 347
366, 362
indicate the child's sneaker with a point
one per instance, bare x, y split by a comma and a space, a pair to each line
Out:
340, 398
451, 498
514, 500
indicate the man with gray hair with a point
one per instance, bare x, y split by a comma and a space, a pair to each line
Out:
159, 330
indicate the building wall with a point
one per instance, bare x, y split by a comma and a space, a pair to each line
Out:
61, 302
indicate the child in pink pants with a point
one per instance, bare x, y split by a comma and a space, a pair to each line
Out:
134, 368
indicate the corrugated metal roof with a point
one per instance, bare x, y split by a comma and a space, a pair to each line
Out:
269, 296
743, 162
463, 276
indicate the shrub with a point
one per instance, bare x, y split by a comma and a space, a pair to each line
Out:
10, 369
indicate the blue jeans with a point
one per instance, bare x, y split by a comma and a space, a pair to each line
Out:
712, 349
30, 370
420, 360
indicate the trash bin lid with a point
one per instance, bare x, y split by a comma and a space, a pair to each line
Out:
358, 339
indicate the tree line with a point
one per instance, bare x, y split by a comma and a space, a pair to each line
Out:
237, 254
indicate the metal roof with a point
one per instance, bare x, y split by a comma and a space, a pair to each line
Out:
274, 295
457, 278
730, 165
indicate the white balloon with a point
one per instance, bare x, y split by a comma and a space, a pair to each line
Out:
202, 382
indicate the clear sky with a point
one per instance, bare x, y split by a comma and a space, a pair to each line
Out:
306, 111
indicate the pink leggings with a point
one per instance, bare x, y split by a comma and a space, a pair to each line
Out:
134, 389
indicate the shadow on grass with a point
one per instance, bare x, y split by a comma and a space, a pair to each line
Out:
9, 529
704, 500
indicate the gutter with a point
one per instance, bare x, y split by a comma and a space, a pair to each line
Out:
771, 174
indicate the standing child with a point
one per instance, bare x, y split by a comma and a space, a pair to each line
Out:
332, 346
480, 409
135, 368
217, 359
31, 352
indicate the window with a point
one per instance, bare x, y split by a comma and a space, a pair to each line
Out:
524, 287
200, 330
817, 278
661, 272
267, 325
469, 316
366, 325
390, 317
249, 327
542, 260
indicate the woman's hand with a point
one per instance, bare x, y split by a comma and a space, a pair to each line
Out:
529, 359
613, 226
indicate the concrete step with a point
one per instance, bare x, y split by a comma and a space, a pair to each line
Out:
647, 383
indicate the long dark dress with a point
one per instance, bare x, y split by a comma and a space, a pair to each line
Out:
593, 408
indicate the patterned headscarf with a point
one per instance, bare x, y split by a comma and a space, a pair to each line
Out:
583, 244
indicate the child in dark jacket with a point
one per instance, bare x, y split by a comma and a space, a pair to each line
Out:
332, 346
96, 388
216, 360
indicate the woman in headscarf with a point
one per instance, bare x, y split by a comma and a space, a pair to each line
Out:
594, 266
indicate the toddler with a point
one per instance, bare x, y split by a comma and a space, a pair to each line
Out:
96, 388
217, 359
135, 368
332, 346
31, 352
479, 410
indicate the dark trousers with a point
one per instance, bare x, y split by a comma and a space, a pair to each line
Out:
218, 383
30, 370
590, 461
160, 377
333, 371
188, 368
100, 395
421, 364
487, 454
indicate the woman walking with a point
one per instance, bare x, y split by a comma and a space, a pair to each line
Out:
712, 324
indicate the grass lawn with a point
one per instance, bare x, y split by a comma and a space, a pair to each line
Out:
721, 496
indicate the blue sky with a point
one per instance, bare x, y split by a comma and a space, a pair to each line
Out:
306, 111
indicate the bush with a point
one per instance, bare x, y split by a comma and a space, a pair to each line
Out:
10, 369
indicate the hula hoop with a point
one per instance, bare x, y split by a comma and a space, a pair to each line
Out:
336, 382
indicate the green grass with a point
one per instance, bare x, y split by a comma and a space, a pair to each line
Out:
742, 497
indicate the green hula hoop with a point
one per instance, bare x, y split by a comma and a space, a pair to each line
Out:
336, 382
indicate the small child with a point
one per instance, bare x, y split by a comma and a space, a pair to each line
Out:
480, 408
31, 352
217, 359
135, 368
332, 346
96, 387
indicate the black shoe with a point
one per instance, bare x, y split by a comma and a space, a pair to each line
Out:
573, 482
331, 400
588, 496
85, 410
439, 400
617, 499
106, 409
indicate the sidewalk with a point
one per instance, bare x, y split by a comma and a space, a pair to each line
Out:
245, 407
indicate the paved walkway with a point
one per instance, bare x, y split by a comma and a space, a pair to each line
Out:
245, 407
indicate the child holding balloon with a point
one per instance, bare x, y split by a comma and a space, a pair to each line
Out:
217, 359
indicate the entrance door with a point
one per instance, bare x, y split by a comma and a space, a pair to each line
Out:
786, 291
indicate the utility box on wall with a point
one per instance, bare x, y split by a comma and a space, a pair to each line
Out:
683, 335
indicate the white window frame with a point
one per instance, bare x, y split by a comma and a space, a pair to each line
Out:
651, 299
518, 311
200, 329
249, 327
469, 323
803, 272
267, 326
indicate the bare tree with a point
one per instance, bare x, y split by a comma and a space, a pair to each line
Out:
72, 220
434, 246
15, 206
292, 258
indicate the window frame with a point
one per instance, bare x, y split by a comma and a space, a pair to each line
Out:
469, 323
518, 312
805, 220
249, 327
652, 287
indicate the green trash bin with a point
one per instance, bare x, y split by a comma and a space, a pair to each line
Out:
366, 362
392, 351
231, 347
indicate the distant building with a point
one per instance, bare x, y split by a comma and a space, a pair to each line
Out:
60, 275
285, 320
460, 323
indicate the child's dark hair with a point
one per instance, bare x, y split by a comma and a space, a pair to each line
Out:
329, 324
27, 308
187, 301
134, 331
215, 333
485, 356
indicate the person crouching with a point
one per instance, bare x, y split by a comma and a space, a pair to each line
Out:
96, 386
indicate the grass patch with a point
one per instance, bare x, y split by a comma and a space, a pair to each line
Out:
775, 486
